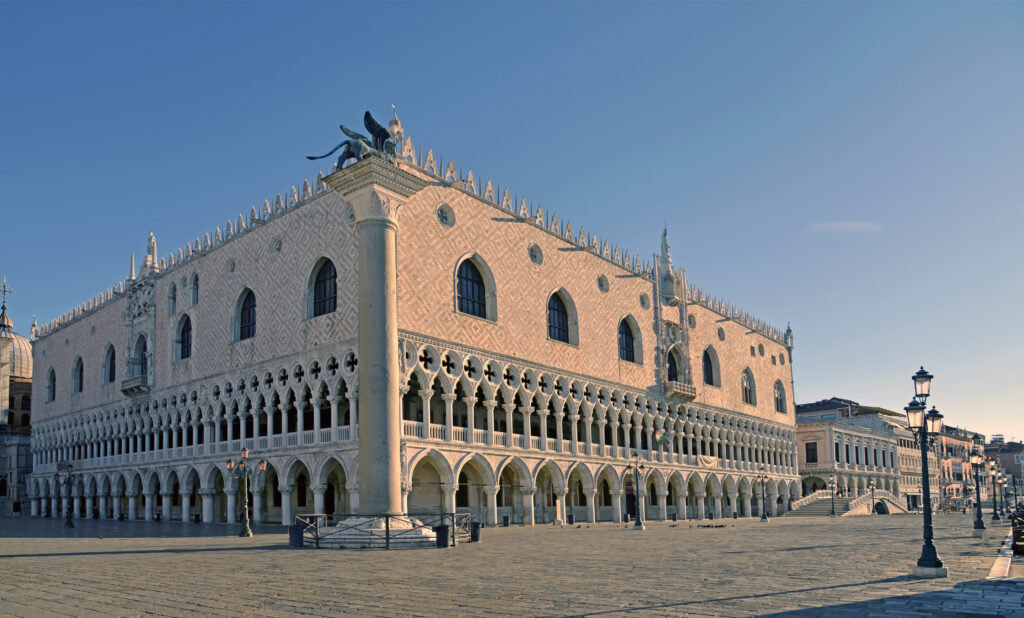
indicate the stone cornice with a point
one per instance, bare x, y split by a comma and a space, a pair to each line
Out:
374, 171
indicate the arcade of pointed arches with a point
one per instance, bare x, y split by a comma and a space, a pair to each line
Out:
493, 403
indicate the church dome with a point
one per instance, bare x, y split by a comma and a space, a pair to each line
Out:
21, 357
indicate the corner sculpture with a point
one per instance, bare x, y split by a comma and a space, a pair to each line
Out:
359, 146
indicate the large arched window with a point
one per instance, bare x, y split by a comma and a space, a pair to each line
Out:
51, 385
185, 338
140, 360
77, 382
709, 363
109, 365
472, 293
172, 300
195, 289
324, 297
673, 368
558, 319
247, 316
780, 397
748, 387
628, 341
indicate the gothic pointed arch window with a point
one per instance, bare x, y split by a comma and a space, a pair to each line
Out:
194, 292
709, 364
172, 300
780, 397
748, 387
562, 321
51, 385
184, 339
673, 368
246, 316
629, 341
474, 289
109, 365
77, 379
323, 290
140, 359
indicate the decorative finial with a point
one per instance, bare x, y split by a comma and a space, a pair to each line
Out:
5, 289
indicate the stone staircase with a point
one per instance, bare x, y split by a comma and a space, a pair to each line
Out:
820, 508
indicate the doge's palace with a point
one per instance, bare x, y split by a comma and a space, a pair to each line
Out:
399, 336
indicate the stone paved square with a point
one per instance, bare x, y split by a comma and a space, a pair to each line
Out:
811, 566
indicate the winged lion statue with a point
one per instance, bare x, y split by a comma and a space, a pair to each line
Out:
359, 147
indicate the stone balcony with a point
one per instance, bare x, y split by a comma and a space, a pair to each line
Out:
679, 390
135, 385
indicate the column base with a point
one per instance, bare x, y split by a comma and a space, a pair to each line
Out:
930, 572
980, 534
641, 527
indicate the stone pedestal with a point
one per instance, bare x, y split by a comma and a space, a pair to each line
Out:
929, 572
376, 190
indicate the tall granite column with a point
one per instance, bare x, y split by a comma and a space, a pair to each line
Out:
376, 190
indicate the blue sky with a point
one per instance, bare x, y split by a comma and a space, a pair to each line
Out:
851, 167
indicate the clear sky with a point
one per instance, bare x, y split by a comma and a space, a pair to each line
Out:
854, 168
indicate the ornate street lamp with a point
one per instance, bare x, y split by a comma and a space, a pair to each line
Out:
832, 487
638, 524
871, 486
992, 473
925, 427
764, 505
240, 470
976, 462
67, 482
1002, 492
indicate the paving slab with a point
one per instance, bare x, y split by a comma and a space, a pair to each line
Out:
855, 566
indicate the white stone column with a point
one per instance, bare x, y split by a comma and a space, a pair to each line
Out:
286, 504
34, 507
663, 505
103, 506
717, 502
207, 495
509, 434
734, 503
616, 503
528, 507
560, 518
470, 403
133, 510
257, 505
574, 437
449, 404
527, 411
232, 496
492, 502
186, 507
318, 498
699, 502
447, 497
76, 509
592, 507
166, 503
116, 507
148, 505
542, 439
773, 501
376, 190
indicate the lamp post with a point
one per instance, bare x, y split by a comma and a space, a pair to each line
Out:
992, 473
240, 470
1003, 494
69, 480
638, 523
832, 487
1013, 483
764, 504
923, 426
976, 461
871, 486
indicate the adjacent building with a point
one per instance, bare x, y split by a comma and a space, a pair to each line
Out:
15, 415
399, 336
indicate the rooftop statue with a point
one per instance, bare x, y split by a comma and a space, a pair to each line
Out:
359, 146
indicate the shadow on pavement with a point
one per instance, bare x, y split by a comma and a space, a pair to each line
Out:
43, 528
654, 607
966, 599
